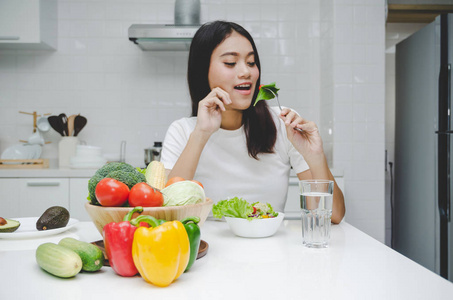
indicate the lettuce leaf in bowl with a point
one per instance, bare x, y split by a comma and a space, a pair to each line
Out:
234, 208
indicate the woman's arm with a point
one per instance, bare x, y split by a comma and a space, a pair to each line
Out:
208, 121
309, 144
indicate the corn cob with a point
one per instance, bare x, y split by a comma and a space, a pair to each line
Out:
155, 175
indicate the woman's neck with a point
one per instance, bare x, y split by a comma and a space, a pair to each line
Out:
231, 120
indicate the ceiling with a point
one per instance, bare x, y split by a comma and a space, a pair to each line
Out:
405, 19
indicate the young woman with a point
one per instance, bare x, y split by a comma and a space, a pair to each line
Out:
233, 148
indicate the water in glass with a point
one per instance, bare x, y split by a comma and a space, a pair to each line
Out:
316, 218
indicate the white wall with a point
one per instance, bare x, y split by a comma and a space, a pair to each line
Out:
359, 110
327, 58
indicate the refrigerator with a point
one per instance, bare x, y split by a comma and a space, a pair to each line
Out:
422, 228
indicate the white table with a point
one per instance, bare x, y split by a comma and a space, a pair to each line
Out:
355, 266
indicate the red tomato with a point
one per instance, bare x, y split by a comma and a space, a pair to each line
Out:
197, 182
142, 194
111, 192
261, 85
173, 180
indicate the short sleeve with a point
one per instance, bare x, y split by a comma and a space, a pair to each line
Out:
174, 143
296, 159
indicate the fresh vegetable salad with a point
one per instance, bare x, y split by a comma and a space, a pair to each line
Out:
240, 208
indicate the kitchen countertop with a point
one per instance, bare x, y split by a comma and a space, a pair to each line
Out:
54, 172
355, 266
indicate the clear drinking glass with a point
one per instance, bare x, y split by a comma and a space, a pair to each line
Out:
316, 198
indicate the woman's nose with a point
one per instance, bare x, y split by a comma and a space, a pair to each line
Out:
244, 71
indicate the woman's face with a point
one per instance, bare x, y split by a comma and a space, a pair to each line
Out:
233, 69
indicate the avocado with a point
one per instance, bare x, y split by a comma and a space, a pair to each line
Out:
8, 225
53, 217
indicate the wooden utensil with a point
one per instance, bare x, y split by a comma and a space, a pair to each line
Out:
55, 123
79, 123
71, 120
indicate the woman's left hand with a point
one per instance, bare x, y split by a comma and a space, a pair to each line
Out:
308, 142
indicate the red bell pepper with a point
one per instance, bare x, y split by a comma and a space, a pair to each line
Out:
118, 239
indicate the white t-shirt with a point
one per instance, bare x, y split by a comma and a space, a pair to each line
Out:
226, 170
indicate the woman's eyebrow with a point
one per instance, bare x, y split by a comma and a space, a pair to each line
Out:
236, 54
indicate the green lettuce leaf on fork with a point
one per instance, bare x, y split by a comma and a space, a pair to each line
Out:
234, 208
265, 92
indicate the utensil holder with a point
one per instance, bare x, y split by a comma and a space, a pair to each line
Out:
66, 149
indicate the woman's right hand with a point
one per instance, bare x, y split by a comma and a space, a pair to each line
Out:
210, 110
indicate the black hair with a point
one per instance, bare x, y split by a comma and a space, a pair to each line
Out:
259, 126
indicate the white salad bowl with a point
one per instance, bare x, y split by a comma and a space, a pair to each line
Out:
256, 228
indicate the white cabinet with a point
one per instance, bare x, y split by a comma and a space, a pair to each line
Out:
28, 24
9, 198
78, 193
38, 194
30, 197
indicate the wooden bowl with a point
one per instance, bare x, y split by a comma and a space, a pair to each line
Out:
101, 215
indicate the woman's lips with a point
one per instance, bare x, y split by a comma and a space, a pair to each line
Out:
243, 88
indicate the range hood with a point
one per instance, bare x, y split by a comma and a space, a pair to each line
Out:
154, 37
175, 37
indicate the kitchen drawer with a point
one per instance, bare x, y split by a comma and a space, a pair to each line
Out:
38, 194
292, 208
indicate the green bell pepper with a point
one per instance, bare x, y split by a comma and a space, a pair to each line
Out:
193, 231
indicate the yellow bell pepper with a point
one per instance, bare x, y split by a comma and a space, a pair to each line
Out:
161, 253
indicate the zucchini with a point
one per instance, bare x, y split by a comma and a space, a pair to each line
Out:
58, 260
92, 257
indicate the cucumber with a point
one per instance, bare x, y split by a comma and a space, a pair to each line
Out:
92, 257
58, 260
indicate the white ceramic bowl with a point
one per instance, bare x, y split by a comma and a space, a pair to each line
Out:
257, 228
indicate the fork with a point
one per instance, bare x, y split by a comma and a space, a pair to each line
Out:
279, 106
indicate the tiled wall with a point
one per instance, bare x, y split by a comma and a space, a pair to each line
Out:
327, 58
359, 110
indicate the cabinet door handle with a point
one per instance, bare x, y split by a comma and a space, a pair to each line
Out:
37, 183
9, 38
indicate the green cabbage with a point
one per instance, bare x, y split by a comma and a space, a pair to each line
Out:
183, 193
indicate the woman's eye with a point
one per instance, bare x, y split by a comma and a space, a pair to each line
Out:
251, 64
230, 64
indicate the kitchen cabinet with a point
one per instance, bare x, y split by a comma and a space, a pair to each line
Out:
28, 24
38, 194
78, 192
30, 197
9, 195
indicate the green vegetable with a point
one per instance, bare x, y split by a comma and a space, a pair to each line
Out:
114, 166
193, 231
264, 209
92, 188
129, 178
92, 257
183, 193
265, 92
234, 207
58, 260
115, 170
